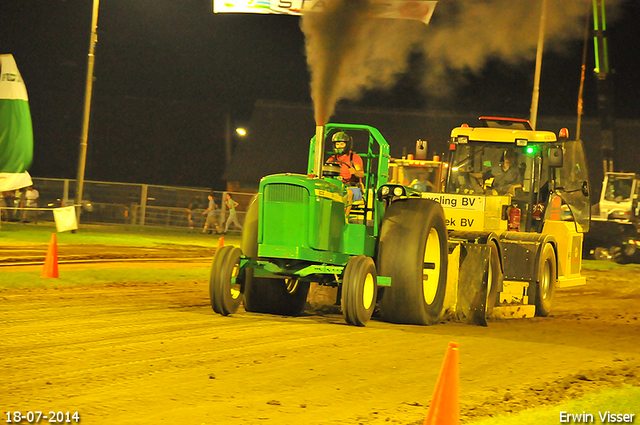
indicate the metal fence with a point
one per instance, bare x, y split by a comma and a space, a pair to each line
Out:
135, 204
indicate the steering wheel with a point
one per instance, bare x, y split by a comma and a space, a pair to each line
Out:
472, 183
336, 161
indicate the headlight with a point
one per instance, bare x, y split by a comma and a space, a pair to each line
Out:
398, 191
385, 190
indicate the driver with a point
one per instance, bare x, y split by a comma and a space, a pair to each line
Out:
506, 176
351, 169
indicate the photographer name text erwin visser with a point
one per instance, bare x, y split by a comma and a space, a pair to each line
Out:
605, 417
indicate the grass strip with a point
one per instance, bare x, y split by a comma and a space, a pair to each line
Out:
87, 277
625, 400
608, 265
26, 234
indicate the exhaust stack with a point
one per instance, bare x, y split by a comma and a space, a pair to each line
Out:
319, 151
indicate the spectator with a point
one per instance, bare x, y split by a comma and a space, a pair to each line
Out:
3, 204
233, 217
31, 201
10, 200
21, 196
194, 205
212, 217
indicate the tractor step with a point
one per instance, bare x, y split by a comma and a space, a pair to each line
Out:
513, 312
514, 301
564, 282
514, 292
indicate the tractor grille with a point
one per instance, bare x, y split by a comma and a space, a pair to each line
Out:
281, 192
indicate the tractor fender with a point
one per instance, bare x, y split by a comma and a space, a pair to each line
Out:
484, 238
521, 252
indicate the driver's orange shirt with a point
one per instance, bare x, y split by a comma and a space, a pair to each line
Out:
343, 159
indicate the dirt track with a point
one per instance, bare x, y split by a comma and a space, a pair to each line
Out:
131, 353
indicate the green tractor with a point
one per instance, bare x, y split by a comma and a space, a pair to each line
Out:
388, 251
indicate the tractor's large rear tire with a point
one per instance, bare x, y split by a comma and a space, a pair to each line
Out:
547, 279
359, 290
285, 297
225, 283
413, 252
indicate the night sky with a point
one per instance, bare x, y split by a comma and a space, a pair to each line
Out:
167, 73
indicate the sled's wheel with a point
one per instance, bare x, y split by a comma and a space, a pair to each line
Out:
624, 253
413, 252
225, 281
359, 290
601, 254
495, 277
546, 281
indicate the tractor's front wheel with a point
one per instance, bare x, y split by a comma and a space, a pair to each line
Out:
359, 290
413, 252
225, 282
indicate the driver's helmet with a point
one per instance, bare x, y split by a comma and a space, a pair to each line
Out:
341, 136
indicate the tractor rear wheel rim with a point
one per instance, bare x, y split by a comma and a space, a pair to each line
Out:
431, 267
545, 281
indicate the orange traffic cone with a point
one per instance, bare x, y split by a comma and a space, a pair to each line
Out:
444, 408
220, 242
50, 268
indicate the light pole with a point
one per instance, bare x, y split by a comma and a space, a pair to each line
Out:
228, 141
536, 81
583, 69
82, 157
